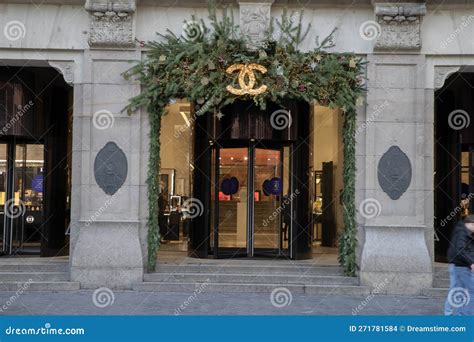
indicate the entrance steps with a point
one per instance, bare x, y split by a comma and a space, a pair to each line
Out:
251, 276
35, 274
440, 287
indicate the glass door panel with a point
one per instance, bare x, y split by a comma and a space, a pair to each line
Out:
268, 192
232, 200
27, 201
3, 195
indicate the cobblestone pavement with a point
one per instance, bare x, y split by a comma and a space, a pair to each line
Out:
152, 303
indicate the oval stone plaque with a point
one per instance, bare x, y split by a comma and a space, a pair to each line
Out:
394, 172
110, 168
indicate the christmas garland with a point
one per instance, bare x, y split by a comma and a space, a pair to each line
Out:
195, 66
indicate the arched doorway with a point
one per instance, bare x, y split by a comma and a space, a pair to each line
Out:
454, 157
35, 159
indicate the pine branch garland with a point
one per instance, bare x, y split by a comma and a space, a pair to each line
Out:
193, 67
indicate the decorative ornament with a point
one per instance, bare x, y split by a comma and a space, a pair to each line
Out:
319, 58
280, 71
200, 100
172, 101
275, 186
352, 63
360, 101
219, 115
211, 66
162, 59
262, 54
230, 186
204, 81
267, 187
246, 79
302, 87
110, 168
313, 65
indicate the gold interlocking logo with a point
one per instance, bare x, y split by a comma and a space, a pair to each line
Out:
246, 79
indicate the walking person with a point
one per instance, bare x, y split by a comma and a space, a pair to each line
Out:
460, 299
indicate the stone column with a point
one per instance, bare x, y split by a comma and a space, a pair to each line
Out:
107, 177
395, 204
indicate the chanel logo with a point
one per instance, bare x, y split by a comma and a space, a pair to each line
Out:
246, 79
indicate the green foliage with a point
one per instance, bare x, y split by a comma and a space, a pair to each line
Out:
193, 67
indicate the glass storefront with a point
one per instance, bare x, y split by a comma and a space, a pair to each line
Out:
251, 189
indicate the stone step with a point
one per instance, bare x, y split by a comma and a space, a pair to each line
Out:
35, 276
435, 292
21, 267
251, 288
441, 283
441, 273
251, 278
40, 286
251, 269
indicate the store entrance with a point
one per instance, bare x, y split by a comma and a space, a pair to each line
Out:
35, 161
21, 196
453, 158
251, 210
251, 177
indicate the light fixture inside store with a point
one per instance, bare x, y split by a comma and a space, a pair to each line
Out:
185, 118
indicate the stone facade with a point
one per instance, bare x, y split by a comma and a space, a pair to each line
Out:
92, 42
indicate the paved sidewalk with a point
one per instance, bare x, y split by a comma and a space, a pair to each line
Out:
147, 303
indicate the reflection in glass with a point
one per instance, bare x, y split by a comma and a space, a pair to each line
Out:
27, 196
233, 163
269, 189
3, 193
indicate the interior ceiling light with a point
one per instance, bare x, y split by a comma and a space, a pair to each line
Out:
185, 118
